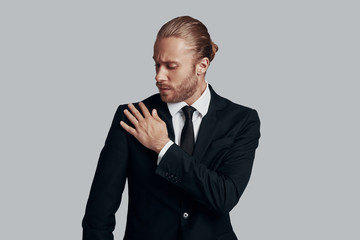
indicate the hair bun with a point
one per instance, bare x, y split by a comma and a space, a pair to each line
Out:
215, 48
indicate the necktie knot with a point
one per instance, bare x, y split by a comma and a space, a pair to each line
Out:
188, 112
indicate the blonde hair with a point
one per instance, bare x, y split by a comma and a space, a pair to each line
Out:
193, 32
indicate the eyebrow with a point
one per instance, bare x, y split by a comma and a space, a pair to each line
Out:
167, 62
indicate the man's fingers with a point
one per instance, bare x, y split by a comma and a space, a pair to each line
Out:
131, 117
144, 110
155, 114
127, 128
135, 112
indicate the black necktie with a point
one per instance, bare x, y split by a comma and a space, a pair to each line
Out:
187, 140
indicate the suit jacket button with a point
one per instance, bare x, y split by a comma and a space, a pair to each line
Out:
185, 215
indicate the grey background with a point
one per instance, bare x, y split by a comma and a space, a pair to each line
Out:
66, 65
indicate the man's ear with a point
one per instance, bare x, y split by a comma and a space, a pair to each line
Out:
202, 66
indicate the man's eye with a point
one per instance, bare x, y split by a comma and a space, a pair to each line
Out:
171, 67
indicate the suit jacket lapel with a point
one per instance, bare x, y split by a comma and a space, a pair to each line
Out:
208, 126
205, 135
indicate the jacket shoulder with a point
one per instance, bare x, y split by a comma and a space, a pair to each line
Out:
222, 103
150, 102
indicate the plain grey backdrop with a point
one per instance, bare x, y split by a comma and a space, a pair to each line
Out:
65, 66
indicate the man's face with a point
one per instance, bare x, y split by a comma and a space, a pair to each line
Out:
176, 76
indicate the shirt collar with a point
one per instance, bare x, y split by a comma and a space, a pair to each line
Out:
201, 105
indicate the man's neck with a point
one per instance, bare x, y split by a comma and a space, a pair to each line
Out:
197, 94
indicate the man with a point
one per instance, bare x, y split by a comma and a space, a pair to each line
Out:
186, 166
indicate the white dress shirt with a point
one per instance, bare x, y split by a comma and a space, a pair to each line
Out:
178, 119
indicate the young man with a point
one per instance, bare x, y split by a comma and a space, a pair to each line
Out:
187, 152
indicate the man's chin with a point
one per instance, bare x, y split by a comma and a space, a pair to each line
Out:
167, 98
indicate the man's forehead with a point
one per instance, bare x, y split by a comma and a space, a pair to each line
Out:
171, 49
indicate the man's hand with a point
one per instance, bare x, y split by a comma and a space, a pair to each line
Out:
149, 129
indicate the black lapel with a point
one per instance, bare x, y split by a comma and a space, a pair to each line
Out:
208, 126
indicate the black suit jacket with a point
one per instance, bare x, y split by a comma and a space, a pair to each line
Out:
184, 197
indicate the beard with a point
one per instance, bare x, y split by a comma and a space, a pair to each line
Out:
182, 91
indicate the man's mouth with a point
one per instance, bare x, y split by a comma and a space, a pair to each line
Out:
163, 88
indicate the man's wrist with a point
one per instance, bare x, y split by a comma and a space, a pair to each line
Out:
164, 150
161, 145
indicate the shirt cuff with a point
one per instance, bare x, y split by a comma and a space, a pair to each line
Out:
163, 151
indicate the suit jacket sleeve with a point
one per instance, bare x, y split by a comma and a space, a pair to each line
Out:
108, 184
218, 188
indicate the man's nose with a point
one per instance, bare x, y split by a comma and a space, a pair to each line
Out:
160, 74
